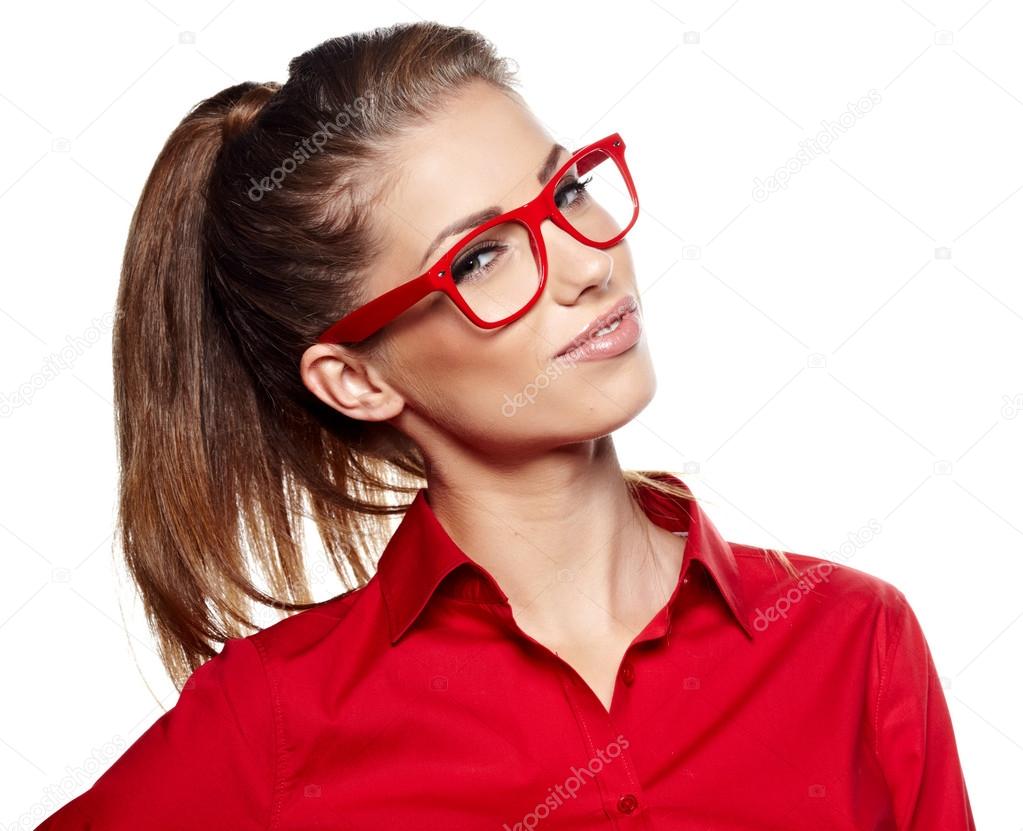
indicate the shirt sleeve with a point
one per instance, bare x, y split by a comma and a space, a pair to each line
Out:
915, 742
208, 762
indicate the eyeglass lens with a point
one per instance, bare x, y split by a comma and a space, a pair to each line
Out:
498, 271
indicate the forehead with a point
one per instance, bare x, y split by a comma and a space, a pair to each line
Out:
482, 149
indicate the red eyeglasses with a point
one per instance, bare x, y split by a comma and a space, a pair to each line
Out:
496, 272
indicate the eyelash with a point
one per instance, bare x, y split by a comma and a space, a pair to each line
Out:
579, 186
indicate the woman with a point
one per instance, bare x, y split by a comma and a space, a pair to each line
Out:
345, 289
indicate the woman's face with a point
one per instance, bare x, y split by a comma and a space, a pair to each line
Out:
443, 379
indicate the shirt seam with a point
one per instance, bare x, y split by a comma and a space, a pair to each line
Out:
882, 687
277, 781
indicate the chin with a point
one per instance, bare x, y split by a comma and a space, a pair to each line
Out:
603, 408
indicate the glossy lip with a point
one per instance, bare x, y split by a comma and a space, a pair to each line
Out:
617, 309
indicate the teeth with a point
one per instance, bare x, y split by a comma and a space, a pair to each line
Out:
608, 329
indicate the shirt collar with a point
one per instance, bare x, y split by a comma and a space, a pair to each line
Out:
420, 554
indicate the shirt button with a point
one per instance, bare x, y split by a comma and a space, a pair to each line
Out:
627, 803
628, 673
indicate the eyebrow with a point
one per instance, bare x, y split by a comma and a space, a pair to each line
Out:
466, 223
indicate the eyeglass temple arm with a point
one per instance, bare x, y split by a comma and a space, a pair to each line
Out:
367, 319
587, 163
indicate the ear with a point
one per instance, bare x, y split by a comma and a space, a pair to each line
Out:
349, 383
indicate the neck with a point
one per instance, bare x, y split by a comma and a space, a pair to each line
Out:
563, 539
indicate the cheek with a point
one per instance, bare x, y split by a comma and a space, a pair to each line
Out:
475, 372
463, 375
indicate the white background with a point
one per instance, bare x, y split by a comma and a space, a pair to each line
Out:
841, 356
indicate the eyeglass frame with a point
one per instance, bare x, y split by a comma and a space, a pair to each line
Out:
363, 322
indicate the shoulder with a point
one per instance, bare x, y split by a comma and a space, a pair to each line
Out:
832, 591
336, 626
829, 578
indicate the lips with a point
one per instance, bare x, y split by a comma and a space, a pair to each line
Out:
620, 307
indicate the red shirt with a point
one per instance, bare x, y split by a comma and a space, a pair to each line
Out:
749, 701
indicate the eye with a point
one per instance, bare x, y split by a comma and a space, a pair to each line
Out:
476, 262
575, 191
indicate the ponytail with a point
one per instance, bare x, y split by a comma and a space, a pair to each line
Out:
175, 415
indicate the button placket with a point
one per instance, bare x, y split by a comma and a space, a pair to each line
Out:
621, 792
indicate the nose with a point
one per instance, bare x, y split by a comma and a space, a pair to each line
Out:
573, 266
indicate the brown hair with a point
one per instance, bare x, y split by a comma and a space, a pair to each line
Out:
249, 238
